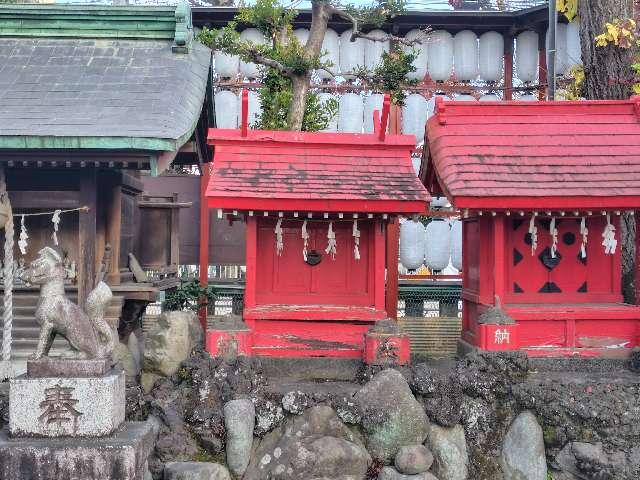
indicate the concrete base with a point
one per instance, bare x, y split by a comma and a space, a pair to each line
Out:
67, 367
58, 407
122, 456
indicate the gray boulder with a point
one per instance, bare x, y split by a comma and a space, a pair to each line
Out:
523, 456
413, 459
449, 448
314, 445
128, 356
170, 341
391, 416
239, 422
195, 471
390, 473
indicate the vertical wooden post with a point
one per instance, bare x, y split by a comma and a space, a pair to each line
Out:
636, 282
87, 234
500, 259
114, 226
174, 248
393, 239
508, 67
204, 238
542, 66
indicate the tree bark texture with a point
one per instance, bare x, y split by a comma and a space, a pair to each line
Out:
608, 76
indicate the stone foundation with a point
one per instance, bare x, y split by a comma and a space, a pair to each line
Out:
57, 407
121, 456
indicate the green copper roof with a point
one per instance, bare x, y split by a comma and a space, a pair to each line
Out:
98, 21
137, 84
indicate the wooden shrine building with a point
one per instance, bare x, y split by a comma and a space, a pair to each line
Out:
316, 206
90, 96
541, 186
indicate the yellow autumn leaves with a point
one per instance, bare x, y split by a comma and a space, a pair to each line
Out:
621, 33
567, 7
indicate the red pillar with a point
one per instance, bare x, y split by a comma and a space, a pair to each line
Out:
508, 67
204, 238
636, 280
393, 235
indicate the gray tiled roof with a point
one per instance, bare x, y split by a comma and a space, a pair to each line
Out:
99, 93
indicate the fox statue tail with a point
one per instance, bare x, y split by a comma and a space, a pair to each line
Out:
96, 305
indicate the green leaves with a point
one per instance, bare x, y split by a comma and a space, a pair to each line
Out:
188, 296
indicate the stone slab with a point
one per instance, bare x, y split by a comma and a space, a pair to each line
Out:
122, 456
67, 367
66, 407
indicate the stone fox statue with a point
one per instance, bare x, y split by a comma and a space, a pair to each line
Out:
88, 333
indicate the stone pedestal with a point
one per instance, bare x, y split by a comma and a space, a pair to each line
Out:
228, 337
57, 406
121, 456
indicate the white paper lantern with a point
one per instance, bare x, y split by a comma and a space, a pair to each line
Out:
491, 56
416, 162
302, 35
226, 104
414, 116
489, 97
420, 49
371, 103
412, 238
456, 244
373, 50
439, 202
465, 55
437, 245
351, 113
574, 49
561, 48
528, 97
464, 97
351, 54
331, 49
333, 123
226, 66
440, 55
255, 108
250, 70
431, 104
527, 56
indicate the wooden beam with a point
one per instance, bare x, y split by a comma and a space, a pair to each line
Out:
24, 199
174, 255
113, 230
87, 235
508, 67
393, 239
542, 65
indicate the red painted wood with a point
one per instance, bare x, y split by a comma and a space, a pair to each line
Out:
542, 67
220, 343
527, 155
204, 239
500, 263
244, 115
637, 262
252, 263
379, 284
386, 349
303, 339
384, 121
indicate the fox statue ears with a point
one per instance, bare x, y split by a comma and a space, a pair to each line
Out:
48, 253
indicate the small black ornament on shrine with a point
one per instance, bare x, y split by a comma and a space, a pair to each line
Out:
547, 260
314, 257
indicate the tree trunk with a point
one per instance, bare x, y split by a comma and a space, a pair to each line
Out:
608, 76
300, 89
320, 13
607, 69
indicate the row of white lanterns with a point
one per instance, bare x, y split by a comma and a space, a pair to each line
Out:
435, 246
355, 110
439, 53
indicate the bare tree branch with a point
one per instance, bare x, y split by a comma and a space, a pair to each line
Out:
259, 58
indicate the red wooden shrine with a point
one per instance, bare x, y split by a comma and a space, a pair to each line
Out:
504, 163
279, 181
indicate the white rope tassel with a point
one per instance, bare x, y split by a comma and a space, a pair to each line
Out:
331, 241
533, 231
584, 231
279, 241
56, 224
609, 241
305, 239
554, 237
356, 240
22, 241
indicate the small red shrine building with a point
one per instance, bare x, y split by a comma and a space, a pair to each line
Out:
541, 186
317, 207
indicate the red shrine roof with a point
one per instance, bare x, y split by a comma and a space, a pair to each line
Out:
567, 155
320, 172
